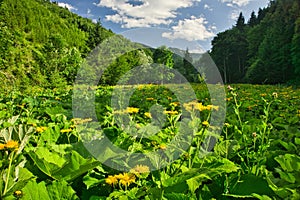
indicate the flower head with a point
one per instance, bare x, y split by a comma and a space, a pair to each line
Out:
171, 112
205, 123
66, 130
41, 129
2, 146
11, 144
132, 110
111, 180
126, 178
140, 169
147, 114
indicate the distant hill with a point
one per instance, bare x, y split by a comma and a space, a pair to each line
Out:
42, 43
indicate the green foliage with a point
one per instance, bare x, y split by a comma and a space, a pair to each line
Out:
271, 57
43, 44
259, 144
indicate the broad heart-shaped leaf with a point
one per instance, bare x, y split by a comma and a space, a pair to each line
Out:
61, 162
56, 190
249, 184
61, 190
76, 166
194, 177
33, 191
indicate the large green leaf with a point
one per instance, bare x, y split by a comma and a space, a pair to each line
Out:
61, 162
249, 184
56, 190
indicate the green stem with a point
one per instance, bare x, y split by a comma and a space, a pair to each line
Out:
8, 172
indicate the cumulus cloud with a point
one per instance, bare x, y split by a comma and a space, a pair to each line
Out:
190, 29
145, 13
236, 2
207, 7
68, 6
234, 14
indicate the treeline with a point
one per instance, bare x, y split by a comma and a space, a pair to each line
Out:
42, 43
263, 50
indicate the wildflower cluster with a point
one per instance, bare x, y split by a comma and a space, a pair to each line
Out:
81, 121
124, 179
41, 129
130, 110
191, 106
11, 144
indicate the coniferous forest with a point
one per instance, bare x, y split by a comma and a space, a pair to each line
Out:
263, 50
131, 136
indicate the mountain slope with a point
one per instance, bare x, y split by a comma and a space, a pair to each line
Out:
42, 43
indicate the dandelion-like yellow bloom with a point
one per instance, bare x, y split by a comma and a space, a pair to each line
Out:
132, 110
163, 146
190, 106
201, 107
111, 180
12, 144
41, 129
66, 130
147, 114
2, 146
81, 121
140, 169
126, 178
175, 104
205, 123
171, 112
18, 193
150, 99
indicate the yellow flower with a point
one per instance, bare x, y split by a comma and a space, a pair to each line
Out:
111, 180
171, 112
132, 110
147, 114
190, 106
175, 104
66, 130
227, 124
201, 107
12, 144
150, 99
2, 146
126, 178
41, 129
163, 146
140, 169
81, 121
205, 123
18, 193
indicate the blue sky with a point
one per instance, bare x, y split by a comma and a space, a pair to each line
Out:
176, 23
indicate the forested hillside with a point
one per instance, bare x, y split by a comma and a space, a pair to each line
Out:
42, 43
265, 49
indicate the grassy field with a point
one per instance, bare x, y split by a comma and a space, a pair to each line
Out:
45, 145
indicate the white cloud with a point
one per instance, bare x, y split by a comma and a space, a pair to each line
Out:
190, 29
68, 6
146, 13
236, 2
206, 6
234, 15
